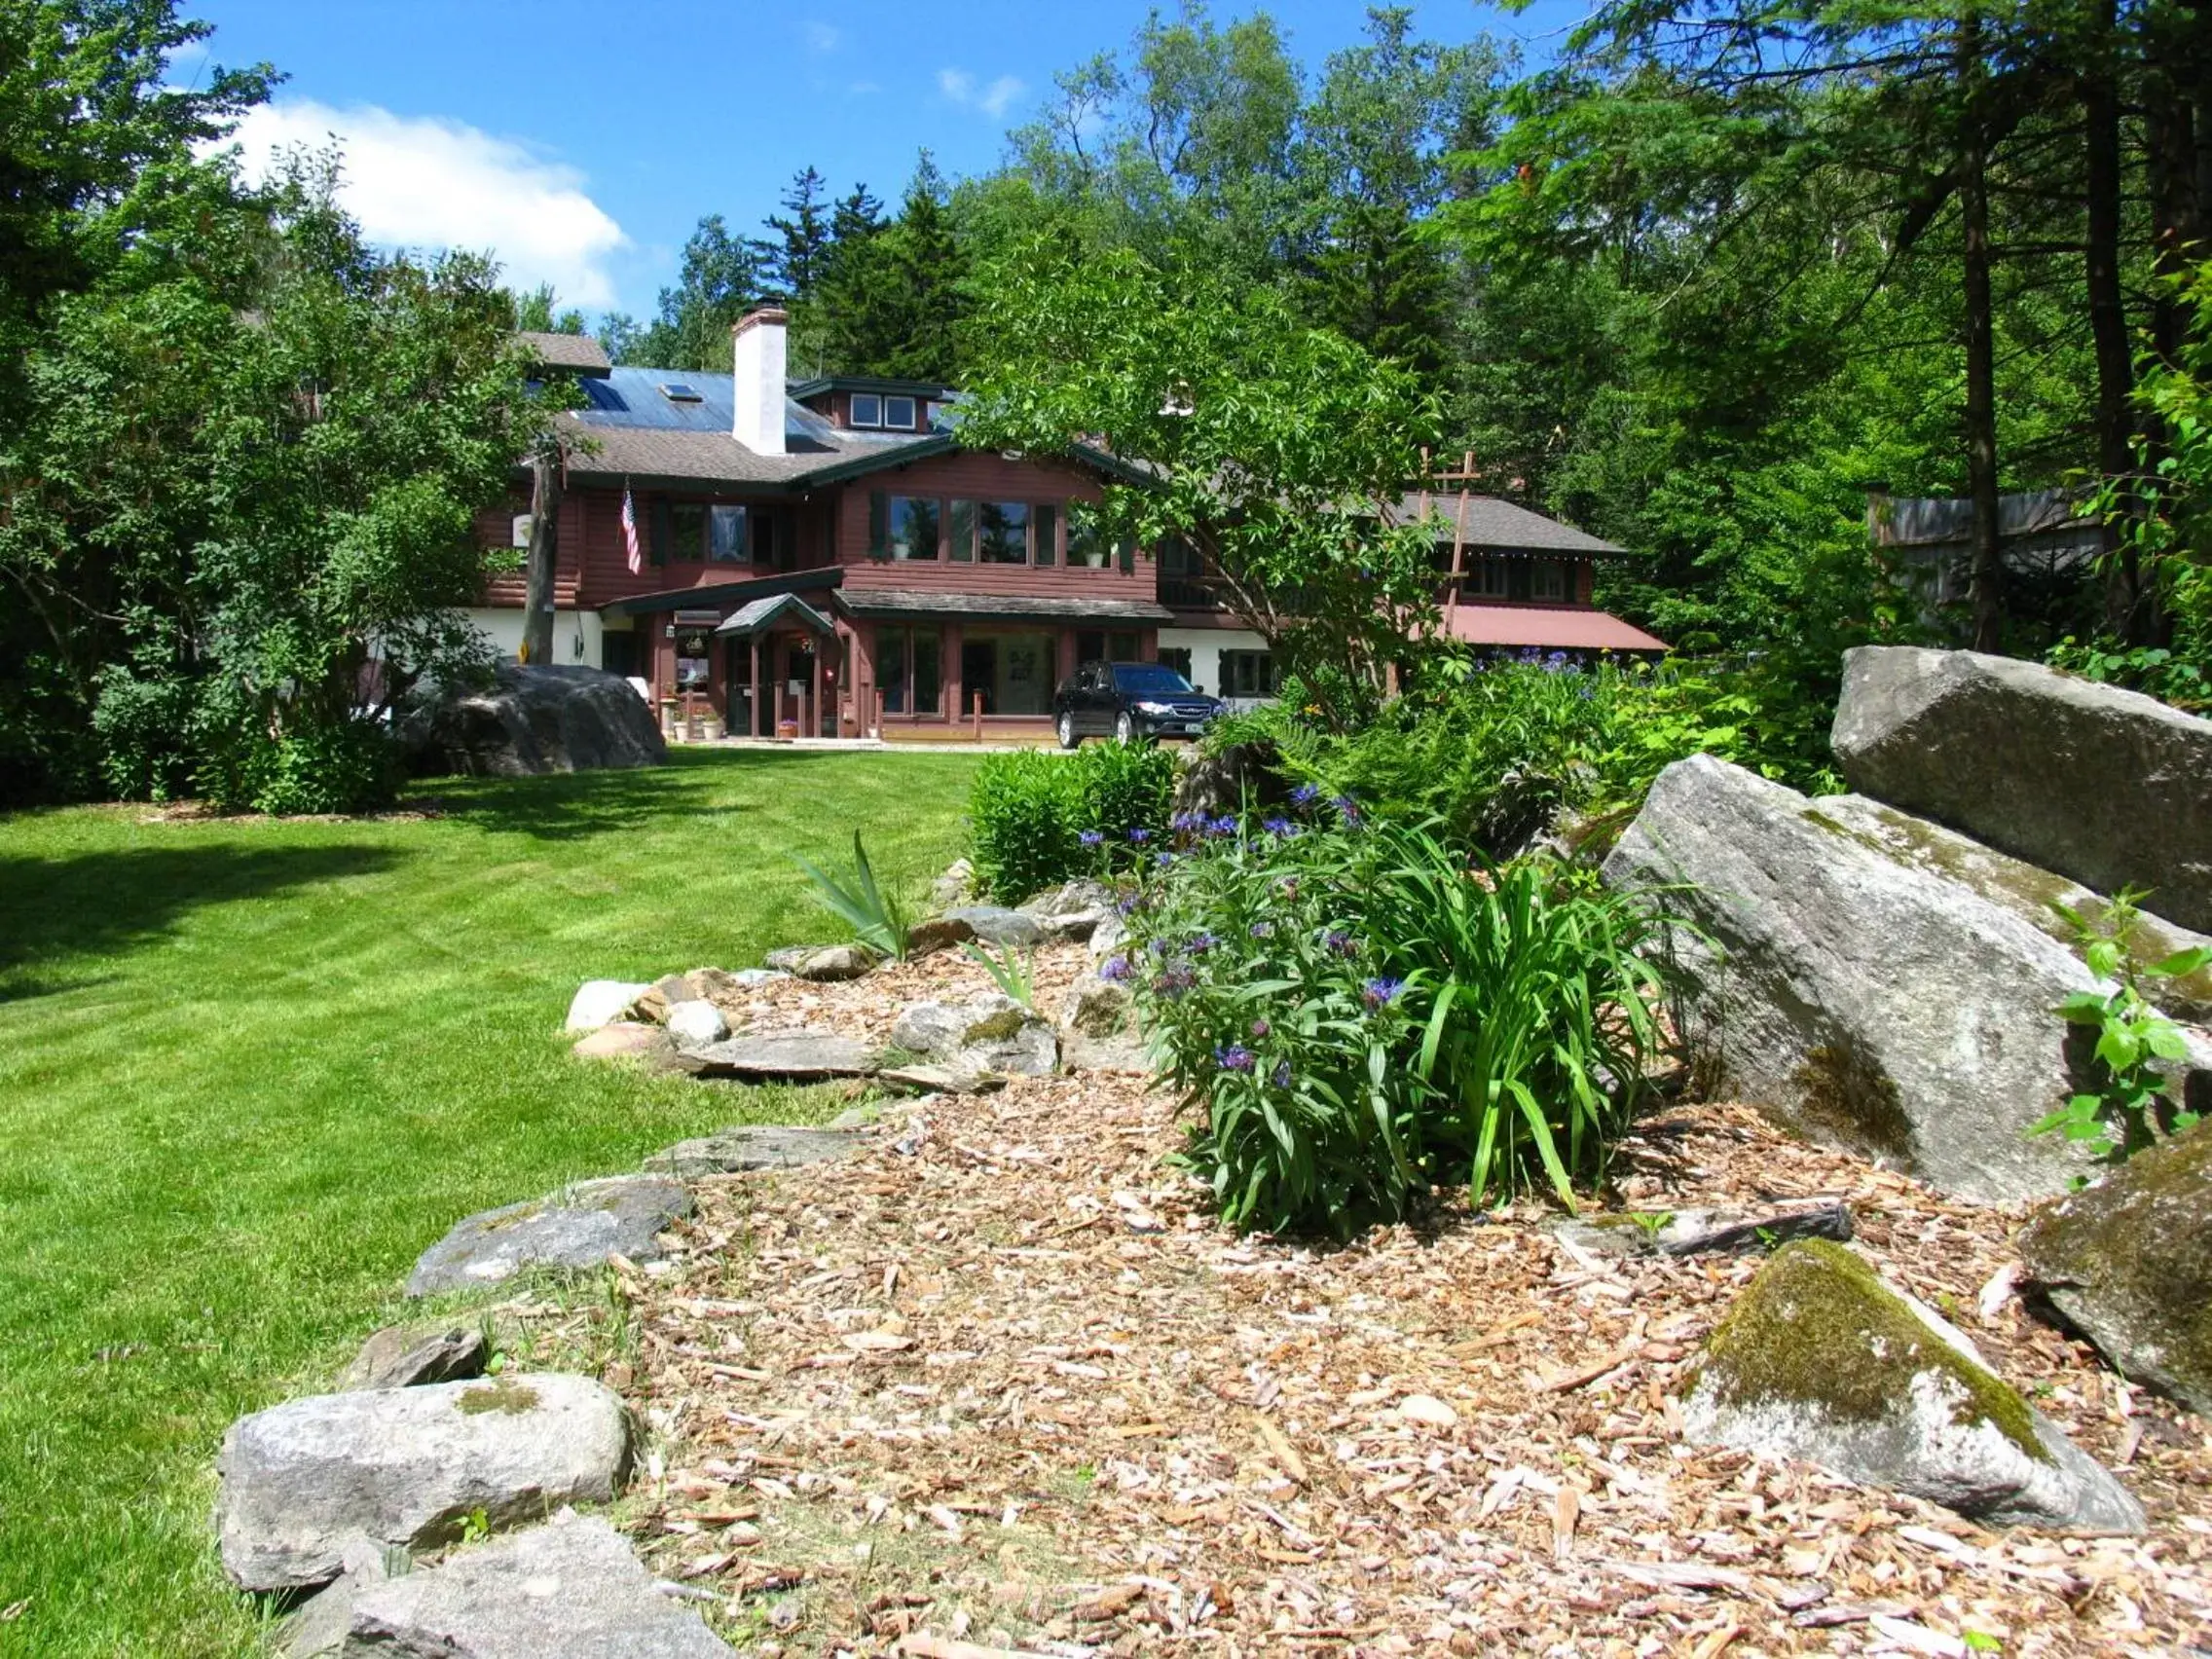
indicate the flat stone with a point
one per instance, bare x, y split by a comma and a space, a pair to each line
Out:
696, 1025
993, 1034
624, 1040
1706, 1232
409, 1468
938, 933
798, 1056
824, 963
576, 1228
1098, 1029
1858, 998
2104, 785
2128, 1262
316, 1628
764, 1146
409, 1357
940, 1080
1819, 1359
572, 1587
998, 925
601, 1001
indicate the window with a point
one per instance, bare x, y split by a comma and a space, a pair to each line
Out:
676, 392
687, 533
899, 412
1097, 646
1005, 532
907, 670
1549, 580
913, 521
772, 540
1046, 539
1176, 658
1149, 680
725, 535
1086, 545
962, 520
865, 410
1248, 674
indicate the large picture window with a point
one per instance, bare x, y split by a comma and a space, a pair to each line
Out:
1248, 674
908, 669
1005, 532
1548, 580
961, 519
1086, 545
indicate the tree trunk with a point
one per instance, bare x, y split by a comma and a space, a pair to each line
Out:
1988, 568
2108, 315
545, 526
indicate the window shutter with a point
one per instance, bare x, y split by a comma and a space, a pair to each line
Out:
662, 534
879, 525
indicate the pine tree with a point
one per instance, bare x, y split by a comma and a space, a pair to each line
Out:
1380, 283
926, 266
791, 261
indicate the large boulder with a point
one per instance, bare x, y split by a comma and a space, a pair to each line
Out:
2105, 785
533, 719
575, 1228
2128, 1262
1861, 999
408, 1467
572, 1587
992, 1034
1819, 1359
601, 1001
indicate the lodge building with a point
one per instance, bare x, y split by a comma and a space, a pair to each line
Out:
827, 553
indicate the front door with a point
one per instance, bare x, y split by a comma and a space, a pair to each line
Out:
737, 681
978, 671
799, 685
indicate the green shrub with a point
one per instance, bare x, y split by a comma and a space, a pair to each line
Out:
1359, 1013
351, 766
1037, 819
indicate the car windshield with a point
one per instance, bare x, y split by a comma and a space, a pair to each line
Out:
1149, 680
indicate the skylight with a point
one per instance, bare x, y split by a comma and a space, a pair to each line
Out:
676, 392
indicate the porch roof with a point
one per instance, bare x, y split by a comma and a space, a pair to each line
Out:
900, 602
1544, 627
762, 615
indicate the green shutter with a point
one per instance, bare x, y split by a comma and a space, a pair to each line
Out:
879, 525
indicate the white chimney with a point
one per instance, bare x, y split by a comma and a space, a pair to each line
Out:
758, 359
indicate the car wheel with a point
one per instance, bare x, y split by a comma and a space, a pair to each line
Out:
1126, 729
1068, 738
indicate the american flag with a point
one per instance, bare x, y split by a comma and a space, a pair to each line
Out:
630, 531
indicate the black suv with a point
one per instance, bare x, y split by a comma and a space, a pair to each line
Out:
1129, 700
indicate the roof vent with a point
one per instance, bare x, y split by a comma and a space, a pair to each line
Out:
675, 391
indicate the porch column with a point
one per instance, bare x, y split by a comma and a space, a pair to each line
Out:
955, 696
814, 715
753, 713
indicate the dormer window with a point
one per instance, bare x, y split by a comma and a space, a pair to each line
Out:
899, 412
866, 409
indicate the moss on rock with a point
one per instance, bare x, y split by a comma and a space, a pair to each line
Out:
1817, 1328
2129, 1262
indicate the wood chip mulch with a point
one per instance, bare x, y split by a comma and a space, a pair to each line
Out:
1001, 1382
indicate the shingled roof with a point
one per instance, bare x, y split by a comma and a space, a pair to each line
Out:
1491, 523
579, 354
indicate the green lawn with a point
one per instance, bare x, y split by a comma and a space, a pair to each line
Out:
249, 1069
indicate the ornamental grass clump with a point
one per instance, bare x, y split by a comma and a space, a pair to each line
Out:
1356, 1016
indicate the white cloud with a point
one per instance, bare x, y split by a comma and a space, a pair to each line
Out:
994, 99
823, 37
429, 182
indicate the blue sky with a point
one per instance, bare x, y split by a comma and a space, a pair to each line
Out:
581, 142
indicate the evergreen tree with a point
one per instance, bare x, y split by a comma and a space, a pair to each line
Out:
1381, 282
791, 260
926, 300
721, 282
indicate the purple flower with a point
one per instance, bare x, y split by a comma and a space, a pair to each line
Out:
1187, 823
1139, 834
1117, 968
1282, 1074
1347, 808
1305, 794
1235, 1057
1163, 860
1201, 943
1279, 826
1338, 942
1160, 948
1260, 1029
1091, 837
1175, 982
1381, 993
1263, 929
1129, 903
1226, 824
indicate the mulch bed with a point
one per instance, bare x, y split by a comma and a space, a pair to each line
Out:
1002, 1381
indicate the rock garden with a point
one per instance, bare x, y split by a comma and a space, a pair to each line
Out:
1168, 1281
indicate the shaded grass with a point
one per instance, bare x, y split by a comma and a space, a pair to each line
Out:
249, 1069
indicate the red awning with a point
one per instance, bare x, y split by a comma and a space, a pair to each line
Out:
1545, 627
